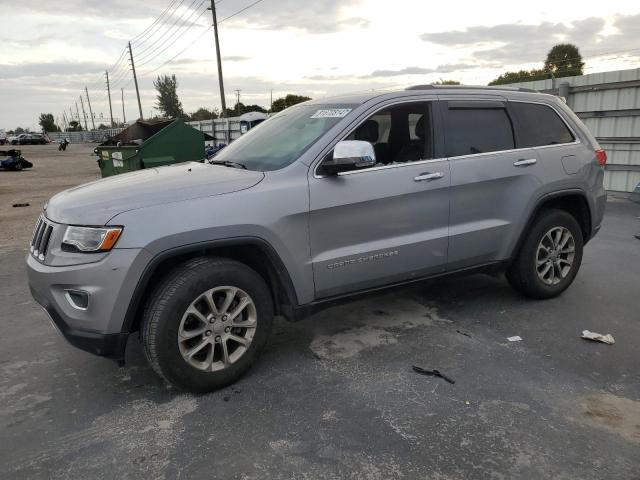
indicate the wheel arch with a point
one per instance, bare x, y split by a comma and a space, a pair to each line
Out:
573, 202
252, 251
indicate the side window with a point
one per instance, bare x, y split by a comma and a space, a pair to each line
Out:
471, 130
539, 125
399, 134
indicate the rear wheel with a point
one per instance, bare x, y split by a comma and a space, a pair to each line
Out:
206, 323
550, 257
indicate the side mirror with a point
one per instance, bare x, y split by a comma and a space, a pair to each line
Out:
349, 155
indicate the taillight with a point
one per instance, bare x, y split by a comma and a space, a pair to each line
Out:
601, 155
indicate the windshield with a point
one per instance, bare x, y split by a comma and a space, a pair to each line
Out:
281, 140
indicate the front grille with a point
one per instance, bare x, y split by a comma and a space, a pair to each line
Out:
41, 237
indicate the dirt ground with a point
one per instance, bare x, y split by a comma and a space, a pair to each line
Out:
52, 172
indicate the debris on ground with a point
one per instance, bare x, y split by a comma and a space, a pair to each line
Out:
598, 337
515, 338
433, 373
16, 205
466, 334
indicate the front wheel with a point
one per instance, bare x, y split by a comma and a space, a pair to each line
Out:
550, 257
206, 323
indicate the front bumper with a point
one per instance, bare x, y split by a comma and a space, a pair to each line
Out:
109, 284
110, 345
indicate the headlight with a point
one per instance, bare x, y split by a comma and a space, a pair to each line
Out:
90, 239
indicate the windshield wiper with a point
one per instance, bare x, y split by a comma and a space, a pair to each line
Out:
228, 163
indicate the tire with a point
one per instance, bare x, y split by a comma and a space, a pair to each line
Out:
543, 269
165, 317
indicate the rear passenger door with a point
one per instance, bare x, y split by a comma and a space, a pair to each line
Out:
493, 183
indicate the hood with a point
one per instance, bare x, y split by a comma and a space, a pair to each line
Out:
97, 202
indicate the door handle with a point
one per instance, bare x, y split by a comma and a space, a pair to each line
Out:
525, 163
428, 176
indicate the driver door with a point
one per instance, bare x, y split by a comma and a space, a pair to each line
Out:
388, 223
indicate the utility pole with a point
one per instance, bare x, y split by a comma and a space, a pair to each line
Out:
84, 115
220, 81
124, 117
271, 104
90, 111
109, 95
238, 101
78, 115
135, 80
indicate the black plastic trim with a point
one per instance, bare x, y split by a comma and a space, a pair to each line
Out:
303, 311
109, 345
149, 270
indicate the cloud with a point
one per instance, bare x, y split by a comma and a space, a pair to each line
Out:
447, 68
318, 16
44, 69
517, 43
235, 58
441, 69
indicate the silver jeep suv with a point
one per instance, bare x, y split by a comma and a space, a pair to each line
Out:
327, 199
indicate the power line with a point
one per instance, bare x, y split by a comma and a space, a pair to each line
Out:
161, 35
163, 39
179, 53
144, 59
155, 22
197, 38
239, 11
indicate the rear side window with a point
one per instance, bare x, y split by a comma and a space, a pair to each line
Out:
539, 125
477, 130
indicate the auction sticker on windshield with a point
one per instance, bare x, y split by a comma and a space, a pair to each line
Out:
331, 113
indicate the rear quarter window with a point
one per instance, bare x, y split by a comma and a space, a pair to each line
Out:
539, 125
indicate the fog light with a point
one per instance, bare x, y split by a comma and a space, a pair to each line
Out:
78, 299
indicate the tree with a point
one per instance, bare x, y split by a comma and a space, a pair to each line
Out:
19, 130
167, 98
74, 126
520, 76
47, 122
203, 114
446, 82
102, 126
564, 60
286, 102
241, 108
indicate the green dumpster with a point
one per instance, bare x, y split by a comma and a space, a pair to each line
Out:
148, 144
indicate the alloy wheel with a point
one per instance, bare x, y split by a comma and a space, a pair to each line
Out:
554, 255
217, 328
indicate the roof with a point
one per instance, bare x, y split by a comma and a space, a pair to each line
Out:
360, 98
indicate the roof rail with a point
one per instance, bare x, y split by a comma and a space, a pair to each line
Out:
471, 87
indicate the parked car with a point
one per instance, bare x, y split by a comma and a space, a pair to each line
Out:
29, 139
326, 200
3, 137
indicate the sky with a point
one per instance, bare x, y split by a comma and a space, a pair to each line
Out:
316, 48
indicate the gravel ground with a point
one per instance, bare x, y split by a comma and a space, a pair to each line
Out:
334, 396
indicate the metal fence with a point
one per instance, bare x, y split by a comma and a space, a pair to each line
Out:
224, 130
609, 105
86, 136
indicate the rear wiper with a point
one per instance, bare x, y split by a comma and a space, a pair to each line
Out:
228, 163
